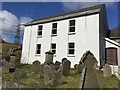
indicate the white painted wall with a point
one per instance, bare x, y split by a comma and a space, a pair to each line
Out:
86, 37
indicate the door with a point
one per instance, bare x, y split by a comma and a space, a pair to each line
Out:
111, 55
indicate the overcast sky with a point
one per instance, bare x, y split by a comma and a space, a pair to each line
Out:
14, 12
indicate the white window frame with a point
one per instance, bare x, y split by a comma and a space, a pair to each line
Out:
70, 26
37, 49
54, 48
40, 31
54, 29
71, 49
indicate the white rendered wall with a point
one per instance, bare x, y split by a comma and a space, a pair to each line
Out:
86, 37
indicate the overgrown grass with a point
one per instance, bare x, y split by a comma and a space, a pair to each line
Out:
111, 82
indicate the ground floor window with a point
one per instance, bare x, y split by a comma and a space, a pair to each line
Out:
71, 48
53, 48
38, 49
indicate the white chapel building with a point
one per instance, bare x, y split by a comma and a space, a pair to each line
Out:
67, 35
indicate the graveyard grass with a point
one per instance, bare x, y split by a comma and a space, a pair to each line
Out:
70, 81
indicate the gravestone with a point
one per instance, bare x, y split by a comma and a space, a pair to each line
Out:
75, 66
5, 66
63, 60
19, 74
36, 66
79, 68
12, 65
66, 67
57, 65
107, 71
49, 57
91, 79
51, 77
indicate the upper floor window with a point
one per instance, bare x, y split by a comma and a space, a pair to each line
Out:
38, 49
53, 48
72, 26
71, 48
40, 30
54, 28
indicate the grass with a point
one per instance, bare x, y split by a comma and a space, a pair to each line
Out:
111, 82
70, 81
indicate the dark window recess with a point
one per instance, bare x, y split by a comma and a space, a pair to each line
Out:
54, 28
40, 30
71, 48
53, 48
38, 49
72, 26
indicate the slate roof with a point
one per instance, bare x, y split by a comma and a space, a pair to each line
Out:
72, 14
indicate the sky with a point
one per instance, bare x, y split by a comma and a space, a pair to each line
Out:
23, 12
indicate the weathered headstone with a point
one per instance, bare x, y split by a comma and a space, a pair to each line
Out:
49, 57
57, 65
51, 77
107, 71
19, 74
79, 68
91, 79
36, 66
66, 67
12, 65
75, 66
5, 66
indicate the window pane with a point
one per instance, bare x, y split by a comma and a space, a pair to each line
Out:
54, 51
40, 33
38, 46
72, 29
53, 46
71, 45
54, 31
40, 27
72, 22
54, 25
38, 51
71, 51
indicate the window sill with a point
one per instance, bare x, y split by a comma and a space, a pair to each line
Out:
54, 35
39, 36
71, 55
37, 54
71, 33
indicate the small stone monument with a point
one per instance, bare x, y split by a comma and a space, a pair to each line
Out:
107, 71
57, 65
12, 65
19, 74
66, 67
5, 66
79, 68
49, 57
36, 66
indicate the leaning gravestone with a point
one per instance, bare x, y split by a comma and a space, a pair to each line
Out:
19, 74
66, 67
36, 66
57, 65
107, 71
12, 65
79, 68
51, 77
91, 79
49, 57
5, 66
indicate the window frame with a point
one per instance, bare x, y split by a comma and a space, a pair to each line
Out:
69, 48
40, 31
54, 29
72, 26
38, 49
53, 48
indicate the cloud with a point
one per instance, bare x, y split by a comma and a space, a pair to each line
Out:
8, 23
